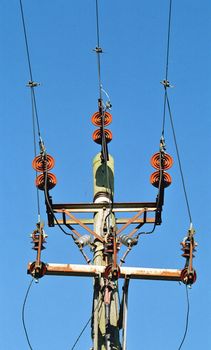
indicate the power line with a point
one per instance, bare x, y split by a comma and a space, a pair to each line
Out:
179, 160
23, 313
165, 82
187, 318
98, 49
31, 84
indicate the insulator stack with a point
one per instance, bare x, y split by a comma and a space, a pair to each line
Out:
101, 120
36, 239
161, 161
186, 248
46, 180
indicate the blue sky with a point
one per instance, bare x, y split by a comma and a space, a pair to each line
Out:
61, 37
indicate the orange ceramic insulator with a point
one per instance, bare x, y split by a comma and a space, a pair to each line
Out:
97, 119
97, 136
41, 163
50, 183
155, 179
160, 162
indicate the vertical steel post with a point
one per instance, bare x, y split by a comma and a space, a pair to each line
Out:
105, 302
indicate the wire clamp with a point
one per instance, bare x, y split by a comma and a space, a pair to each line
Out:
98, 50
32, 84
166, 84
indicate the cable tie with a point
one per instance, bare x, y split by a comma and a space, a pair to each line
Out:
32, 84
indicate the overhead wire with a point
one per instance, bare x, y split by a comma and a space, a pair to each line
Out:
23, 313
187, 319
179, 161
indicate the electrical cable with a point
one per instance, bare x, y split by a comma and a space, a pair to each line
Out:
179, 160
31, 83
23, 313
87, 323
165, 82
98, 49
187, 319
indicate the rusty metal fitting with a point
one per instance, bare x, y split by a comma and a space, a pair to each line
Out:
112, 272
188, 277
37, 271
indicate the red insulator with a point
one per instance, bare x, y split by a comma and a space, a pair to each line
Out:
43, 163
97, 136
161, 162
97, 119
155, 179
50, 182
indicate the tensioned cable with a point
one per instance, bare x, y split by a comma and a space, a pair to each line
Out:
167, 66
179, 160
98, 48
29, 64
87, 323
187, 319
23, 313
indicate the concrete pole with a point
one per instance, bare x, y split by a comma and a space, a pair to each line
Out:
103, 175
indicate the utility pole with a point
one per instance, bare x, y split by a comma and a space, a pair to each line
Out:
108, 225
105, 331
